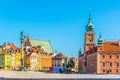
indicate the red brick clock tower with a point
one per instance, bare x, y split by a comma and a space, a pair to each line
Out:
89, 42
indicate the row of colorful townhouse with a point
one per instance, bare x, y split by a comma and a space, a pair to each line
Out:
37, 55
10, 58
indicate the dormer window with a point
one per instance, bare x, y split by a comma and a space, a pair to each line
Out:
38, 48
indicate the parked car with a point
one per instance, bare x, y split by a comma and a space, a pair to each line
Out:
51, 69
69, 71
57, 70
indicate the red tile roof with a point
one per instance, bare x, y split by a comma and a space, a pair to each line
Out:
13, 47
34, 49
107, 47
5, 51
111, 47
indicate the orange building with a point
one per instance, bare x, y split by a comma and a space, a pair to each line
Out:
46, 60
38, 60
103, 58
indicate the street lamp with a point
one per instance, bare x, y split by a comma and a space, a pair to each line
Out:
22, 58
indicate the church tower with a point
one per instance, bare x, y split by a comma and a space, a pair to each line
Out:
89, 41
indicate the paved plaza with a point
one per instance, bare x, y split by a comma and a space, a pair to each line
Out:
38, 75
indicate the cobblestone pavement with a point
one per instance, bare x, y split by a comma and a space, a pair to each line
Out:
30, 75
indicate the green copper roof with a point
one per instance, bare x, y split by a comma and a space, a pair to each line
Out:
90, 26
100, 40
80, 51
46, 44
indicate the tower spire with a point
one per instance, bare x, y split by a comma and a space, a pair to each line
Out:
100, 40
90, 26
80, 51
90, 14
21, 34
100, 34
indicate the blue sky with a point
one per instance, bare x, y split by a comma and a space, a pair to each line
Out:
62, 22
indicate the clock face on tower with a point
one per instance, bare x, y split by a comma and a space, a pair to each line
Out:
90, 38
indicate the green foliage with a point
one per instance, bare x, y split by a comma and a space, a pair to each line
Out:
70, 64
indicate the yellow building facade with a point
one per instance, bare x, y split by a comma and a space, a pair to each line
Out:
16, 61
5, 61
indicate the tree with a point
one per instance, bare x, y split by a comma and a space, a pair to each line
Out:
70, 64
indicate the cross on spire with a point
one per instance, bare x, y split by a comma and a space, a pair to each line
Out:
90, 14
100, 34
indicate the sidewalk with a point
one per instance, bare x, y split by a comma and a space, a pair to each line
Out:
32, 74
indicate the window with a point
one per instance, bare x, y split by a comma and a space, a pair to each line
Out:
90, 40
90, 48
117, 55
103, 64
117, 70
2, 58
63, 65
58, 65
103, 70
38, 48
100, 48
117, 64
110, 70
103, 56
110, 64
110, 56
2, 62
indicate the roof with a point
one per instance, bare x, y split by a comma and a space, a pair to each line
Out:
60, 55
73, 59
111, 47
7, 47
34, 49
13, 47
48, 47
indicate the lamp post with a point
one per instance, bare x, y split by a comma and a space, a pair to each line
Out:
22, 58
